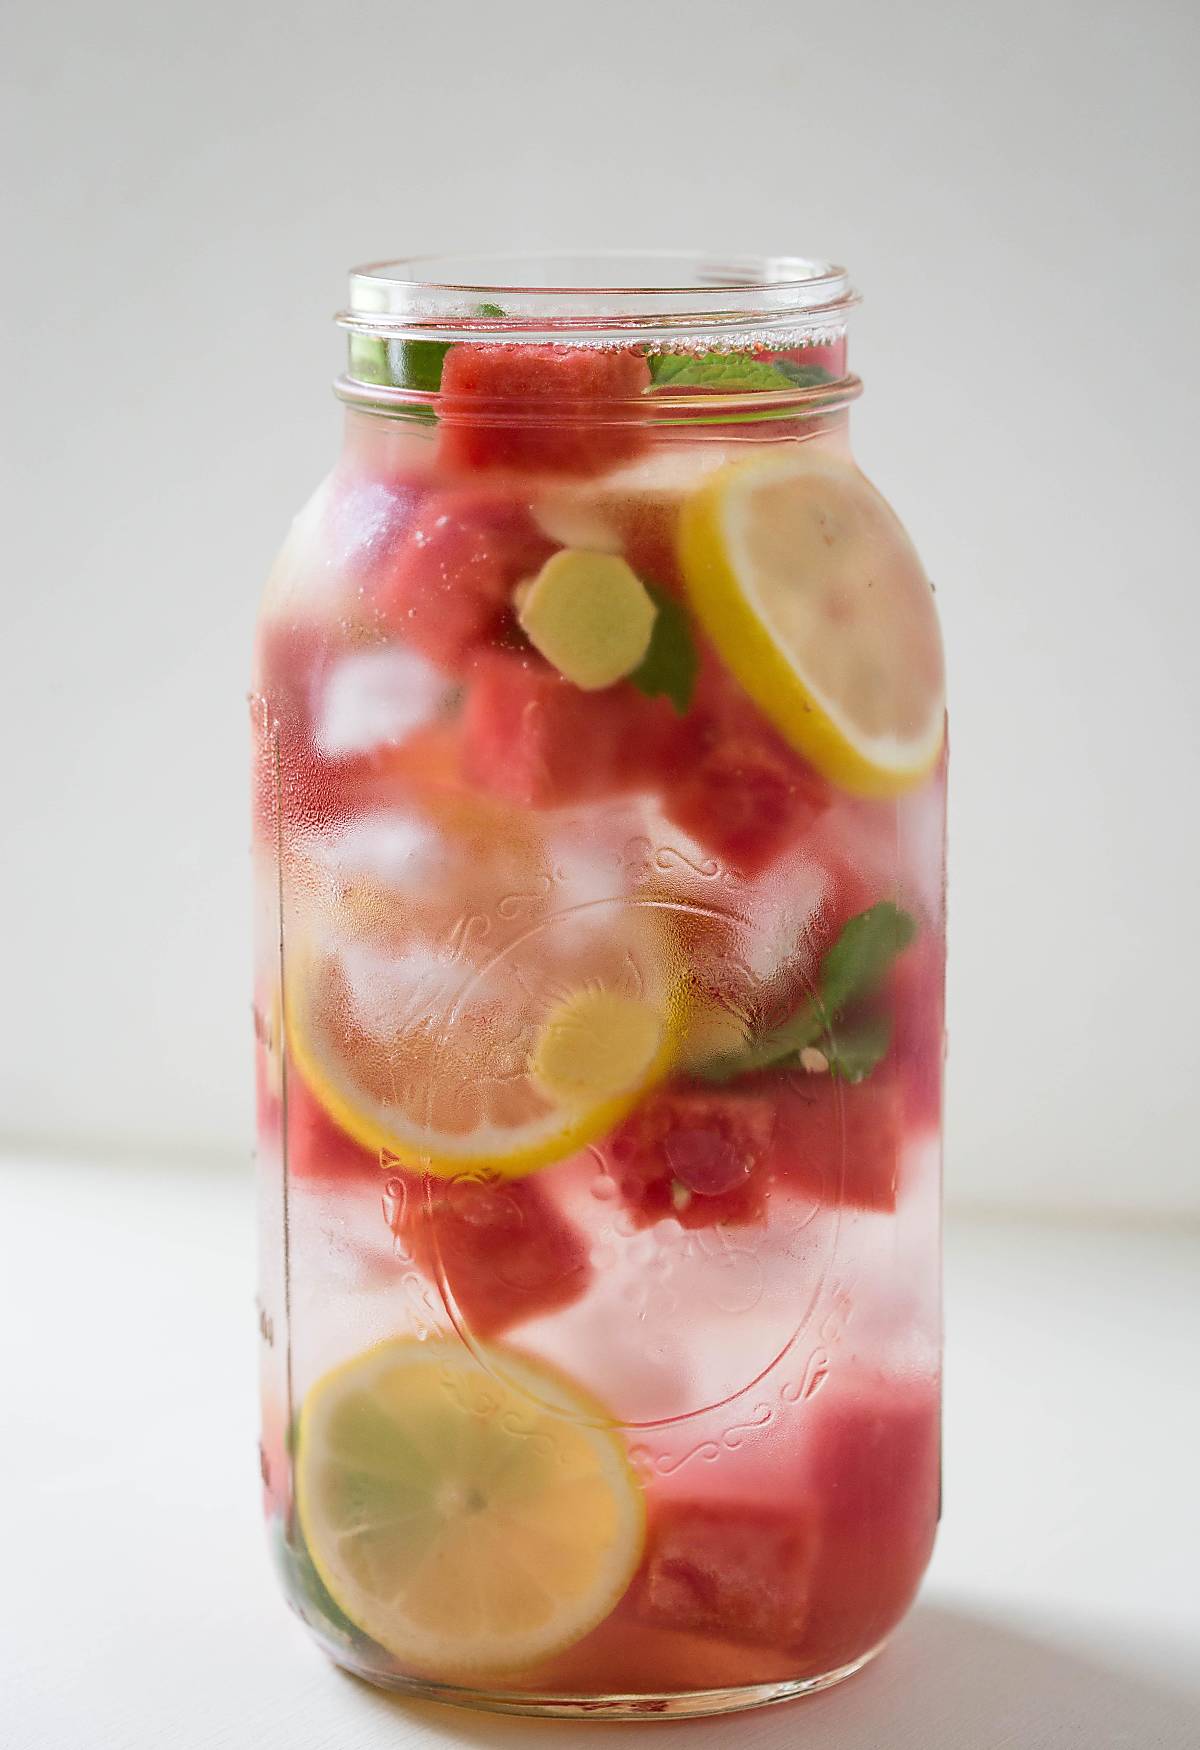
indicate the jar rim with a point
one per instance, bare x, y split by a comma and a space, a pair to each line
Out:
606, 297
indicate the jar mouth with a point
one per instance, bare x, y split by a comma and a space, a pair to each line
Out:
663, 300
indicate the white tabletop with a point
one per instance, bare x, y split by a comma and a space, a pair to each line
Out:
138, 1610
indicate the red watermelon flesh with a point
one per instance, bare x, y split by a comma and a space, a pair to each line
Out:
506, 1250
737, 1570
838, 1143
319, 1149
544, 408
734, 785
745, 801
824, 1575
448, 589
703, 1154
534, 737
697, 1154
873, 1475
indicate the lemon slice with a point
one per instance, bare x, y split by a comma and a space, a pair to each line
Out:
467, 1521
815, 598
449, 1067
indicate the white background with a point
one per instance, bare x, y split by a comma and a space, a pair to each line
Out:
1009, 185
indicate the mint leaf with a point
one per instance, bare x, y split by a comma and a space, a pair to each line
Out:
804, 376
306, 1591
772, 1050
417, 364
369, 359
397, 364
670, 665
855, 965
714, 370
406, 364
850, 971
854, 1051
732, 371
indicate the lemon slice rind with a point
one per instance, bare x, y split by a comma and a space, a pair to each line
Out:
399, 1138
747, 630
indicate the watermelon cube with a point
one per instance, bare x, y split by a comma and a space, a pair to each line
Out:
447, 590
735, 786
704, 1154
533, 737
871, 1479
839, 1143
698, 1154
822, 1577
549, 408
503, 1248
736, 1570
745, 801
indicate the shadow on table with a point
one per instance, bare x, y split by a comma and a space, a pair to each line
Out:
949, 1681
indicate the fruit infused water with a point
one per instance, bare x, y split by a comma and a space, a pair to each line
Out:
598, 837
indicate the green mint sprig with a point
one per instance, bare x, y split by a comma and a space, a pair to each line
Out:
854, 1048
369, 359
406, 364
670, 665
850, 972
307, 1592
731, 371
804, 376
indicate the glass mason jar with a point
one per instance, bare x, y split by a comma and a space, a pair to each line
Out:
599, 736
